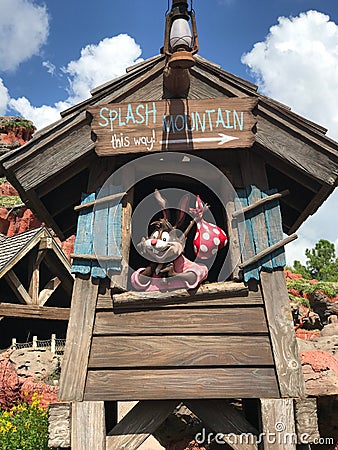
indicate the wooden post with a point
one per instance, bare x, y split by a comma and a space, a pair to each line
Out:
35, 342
13, 346
278, 424
88, 426
306, 420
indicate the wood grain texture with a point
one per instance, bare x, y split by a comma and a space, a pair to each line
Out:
88, 426
278, 418
306, 420
127, 385
34, 312
186, 123
79, 335
285, 349
139, 424
18, 289
224, 419
211, 291
196, 321
180, 351
107, 302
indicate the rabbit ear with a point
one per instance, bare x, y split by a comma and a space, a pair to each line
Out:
182, 210
163, 203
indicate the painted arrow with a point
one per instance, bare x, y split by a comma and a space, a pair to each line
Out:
222, 139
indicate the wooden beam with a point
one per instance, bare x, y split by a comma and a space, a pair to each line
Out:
197, 383
79, 335
211, 291
225, 420
278, 424
18, 288
48, 290
180, 351
139, 424
34, 312
107, 199
88, 426
283, 339
235, 320
268, 251
260, 203
106, 302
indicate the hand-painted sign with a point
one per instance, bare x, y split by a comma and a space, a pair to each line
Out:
171, 125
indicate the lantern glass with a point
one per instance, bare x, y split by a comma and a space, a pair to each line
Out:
180, 35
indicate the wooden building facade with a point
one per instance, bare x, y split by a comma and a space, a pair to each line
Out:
230, 338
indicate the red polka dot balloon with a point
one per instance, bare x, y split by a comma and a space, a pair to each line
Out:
209, 237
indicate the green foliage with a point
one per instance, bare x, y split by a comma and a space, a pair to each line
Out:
2, 180
302, 285
24, 427
300, 300
321, 264
10, 201
22, 123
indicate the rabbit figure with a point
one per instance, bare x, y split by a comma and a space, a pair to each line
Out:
169, 268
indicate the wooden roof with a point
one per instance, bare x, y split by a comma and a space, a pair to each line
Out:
298, 154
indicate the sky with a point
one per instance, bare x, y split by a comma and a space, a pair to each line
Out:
52, 53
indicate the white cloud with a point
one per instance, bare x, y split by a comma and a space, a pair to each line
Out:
297, 64
50, 67
96, 65
4, 98
24, 28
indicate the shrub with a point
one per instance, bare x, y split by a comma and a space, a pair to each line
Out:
24, 427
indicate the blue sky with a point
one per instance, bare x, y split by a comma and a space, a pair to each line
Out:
46, 64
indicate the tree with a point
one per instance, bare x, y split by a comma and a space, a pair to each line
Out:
321, 264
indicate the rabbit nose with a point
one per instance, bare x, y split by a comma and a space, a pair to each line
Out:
153, 242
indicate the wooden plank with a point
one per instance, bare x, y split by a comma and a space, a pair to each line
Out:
95, 257
173, 125
18, 288
79, 334
88, 426
268, 251
120, 280
278, 424
209, 291
139, 424
48, 290
34, 312
196, 321
180, 351
225, 420
285, 349
253, 298
263, 201
128, 385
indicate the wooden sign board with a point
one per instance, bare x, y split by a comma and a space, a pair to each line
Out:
174, 125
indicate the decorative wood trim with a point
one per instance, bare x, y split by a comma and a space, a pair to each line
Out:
109, 198
139, 424
88, 426
268, 251
34, 312
18, 288
260, 202
79, 335
278, 424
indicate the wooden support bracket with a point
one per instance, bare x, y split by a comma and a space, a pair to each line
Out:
139, 424
48, 290
259, 203
100, 201
268, 251
18, 288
